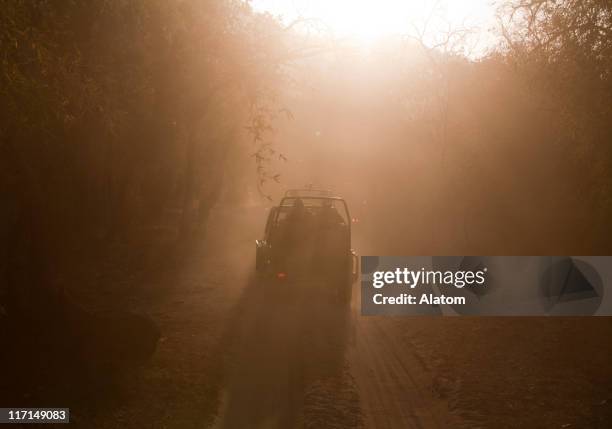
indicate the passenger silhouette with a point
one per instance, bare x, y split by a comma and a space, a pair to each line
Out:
329, 215
297, 243
298, 213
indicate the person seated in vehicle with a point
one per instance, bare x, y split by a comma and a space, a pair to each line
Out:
298, 213
329, 216
298, 243
331, 239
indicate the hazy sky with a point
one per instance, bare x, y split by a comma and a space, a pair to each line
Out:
367, 20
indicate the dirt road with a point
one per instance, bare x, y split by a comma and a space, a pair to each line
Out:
304, 361
236, 353
300, 360
395, 386
290, 349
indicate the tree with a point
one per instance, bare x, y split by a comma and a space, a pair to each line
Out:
564, 51
115, 113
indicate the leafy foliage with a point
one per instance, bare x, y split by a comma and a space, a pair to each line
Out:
115, 113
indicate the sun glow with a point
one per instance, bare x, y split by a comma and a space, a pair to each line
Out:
367, 21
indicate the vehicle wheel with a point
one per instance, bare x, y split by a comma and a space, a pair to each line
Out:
262, 261
345, 285
346, 292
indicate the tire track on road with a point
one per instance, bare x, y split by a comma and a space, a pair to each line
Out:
395, 389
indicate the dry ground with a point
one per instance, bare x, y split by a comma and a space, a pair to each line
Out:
235, 356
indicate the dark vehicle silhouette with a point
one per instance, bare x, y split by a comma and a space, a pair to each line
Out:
308, 236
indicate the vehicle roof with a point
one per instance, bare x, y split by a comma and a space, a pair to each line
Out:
333, 198
308, 192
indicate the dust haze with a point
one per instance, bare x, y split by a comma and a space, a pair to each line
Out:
145, 144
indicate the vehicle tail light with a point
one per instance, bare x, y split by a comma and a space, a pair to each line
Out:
281, 275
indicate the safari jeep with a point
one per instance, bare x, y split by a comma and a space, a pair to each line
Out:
308, 235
